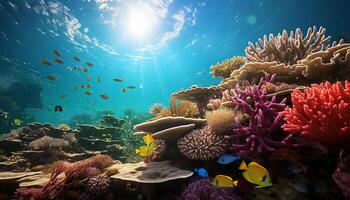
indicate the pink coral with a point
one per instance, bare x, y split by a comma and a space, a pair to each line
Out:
320, 113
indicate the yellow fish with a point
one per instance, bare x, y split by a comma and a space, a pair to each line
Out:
17, 122
223, 181
256, 174
150, 147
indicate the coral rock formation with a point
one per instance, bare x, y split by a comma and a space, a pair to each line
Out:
225, 68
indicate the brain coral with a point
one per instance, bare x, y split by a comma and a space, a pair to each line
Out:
202, 144
320, 113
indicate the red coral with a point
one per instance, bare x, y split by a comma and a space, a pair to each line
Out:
320, 113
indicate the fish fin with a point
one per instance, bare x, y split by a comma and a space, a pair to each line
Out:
254, 164
246, 176
262, 186
235, 183
243, 166
137, 151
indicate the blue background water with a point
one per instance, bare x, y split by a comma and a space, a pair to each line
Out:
189, 37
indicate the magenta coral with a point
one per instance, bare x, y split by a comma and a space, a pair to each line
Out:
320, 113
264, 120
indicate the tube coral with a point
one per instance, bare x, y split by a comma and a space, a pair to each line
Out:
264, 120
320, 113
202, 144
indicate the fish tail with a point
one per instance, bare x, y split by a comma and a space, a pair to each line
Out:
235, 183
137, 151
243, 166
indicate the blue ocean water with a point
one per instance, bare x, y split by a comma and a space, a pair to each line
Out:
158, 46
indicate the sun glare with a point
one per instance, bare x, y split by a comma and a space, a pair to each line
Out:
140, 22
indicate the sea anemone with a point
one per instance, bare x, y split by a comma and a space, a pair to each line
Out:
203, 190
225, 68
320, 113
202, 144
98, 185
222, 120
179, 108
156, 108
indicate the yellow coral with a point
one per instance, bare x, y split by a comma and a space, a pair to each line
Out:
222, 119
179, 108
225, 68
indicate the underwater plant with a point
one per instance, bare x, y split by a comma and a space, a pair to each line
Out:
156, 108
320, 113
179, 108
225, 68
221, 120
264, 120
202, 189
202, 144
289, 48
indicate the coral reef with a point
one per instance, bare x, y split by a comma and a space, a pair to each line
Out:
156, 108
202, 189
255, 137
320, 113
110, 120
202, 144
288, 49
222, 119
98, 185
225, 68
179, 108
47, 142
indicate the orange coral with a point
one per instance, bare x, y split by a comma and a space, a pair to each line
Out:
320, 113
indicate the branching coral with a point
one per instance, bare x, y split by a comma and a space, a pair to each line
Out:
156, 108
264, 120
202, 189
221, 120
179, 108
288, 49
320, 113
202, 144
225, 68
48, 142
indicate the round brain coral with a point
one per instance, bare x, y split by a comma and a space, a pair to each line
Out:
202, 144
98, 185
320, 113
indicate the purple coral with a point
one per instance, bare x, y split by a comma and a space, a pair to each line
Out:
264, 120
341, 175
203, 190
98, 185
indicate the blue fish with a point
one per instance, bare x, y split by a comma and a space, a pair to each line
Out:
201, 172
227, 159
301, 187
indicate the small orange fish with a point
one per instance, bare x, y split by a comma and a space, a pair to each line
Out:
88, 93
123, 90
85, 70
56, 52
118, 80
76, 58
88, 86
131, 87
103, 96
45, 62
59, 61
89, 64
51, 77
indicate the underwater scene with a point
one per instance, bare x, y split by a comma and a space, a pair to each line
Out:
174, 99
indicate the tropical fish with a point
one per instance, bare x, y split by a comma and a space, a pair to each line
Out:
17, 122
131, 87
201, 172
118, 80
58, 108
56, 52
224, 181
59, 61
79, 68
103, 96
88, 77
76, 58
301, 187
256, 174
124, 90
227, 159
69, 68
88, 86
89, 64
150, 147
46, 62
82, 86
85, 69
88, 93
3, 114
63, 96
51, 77
76, 87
